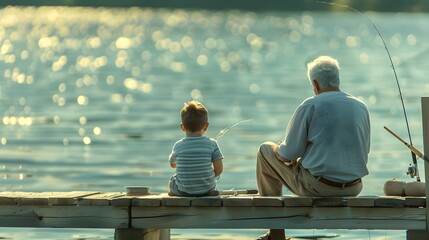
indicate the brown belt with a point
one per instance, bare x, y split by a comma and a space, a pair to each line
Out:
337, 184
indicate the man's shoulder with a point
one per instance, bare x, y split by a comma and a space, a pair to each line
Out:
306, 104
308, 101
356, 101
334, 96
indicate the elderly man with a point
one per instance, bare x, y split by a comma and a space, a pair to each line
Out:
325, 151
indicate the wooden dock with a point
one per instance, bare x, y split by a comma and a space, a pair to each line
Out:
151, 216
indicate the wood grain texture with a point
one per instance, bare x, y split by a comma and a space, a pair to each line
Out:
389, 201
267, 201
279, 217
148, 200
63, 216
361, 201
98, 199
295, 201
117, 210
238, 201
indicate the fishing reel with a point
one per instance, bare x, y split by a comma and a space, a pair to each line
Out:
412, 171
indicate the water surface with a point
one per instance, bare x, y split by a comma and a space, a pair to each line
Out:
90, 97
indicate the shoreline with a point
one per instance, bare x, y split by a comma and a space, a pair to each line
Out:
267, 5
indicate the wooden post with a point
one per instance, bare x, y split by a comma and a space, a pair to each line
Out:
141, 234
424, 234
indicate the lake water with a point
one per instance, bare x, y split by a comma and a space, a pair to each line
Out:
90, 97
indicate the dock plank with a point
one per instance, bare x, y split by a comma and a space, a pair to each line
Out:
267, 201
389, 201
11, 198
361, 201
63, 216
85, 209
176, 201
99, 199
278, 218
34, 198
329, 202
238, 201
148, 200
214, 201
297, 201
124, 200
415, 202
67, 198
42, 198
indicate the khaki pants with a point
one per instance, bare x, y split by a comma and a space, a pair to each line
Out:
272, 174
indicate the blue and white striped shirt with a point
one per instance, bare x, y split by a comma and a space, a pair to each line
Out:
194, 157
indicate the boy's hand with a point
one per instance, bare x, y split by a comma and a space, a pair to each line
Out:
218, 167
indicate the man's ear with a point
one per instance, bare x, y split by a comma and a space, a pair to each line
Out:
316, 87
207, 126
182, 127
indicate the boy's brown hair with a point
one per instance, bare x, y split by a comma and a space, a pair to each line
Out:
194, 116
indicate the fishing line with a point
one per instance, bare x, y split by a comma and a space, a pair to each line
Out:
219, 135
223, 131
413, 155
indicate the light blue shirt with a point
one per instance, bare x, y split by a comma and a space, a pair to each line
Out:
330, 132
194, 157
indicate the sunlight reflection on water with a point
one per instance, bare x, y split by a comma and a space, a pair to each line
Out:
91, 96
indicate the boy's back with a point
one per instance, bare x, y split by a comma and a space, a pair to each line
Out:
194, 157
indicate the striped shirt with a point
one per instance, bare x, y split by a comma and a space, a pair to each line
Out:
194, 157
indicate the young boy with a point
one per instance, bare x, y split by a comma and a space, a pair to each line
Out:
197, 159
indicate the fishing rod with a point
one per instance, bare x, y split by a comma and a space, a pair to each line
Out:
412, 170
232, 192
223, 131
412, 149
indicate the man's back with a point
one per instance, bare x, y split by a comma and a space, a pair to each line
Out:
338, 135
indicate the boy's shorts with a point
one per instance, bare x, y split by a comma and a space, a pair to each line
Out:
174, 189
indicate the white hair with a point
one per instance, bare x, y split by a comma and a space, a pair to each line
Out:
325, 70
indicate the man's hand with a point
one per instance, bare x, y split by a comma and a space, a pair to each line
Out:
280, 158
275, 148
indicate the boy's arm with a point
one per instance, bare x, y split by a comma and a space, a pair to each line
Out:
172, 159
218, 167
